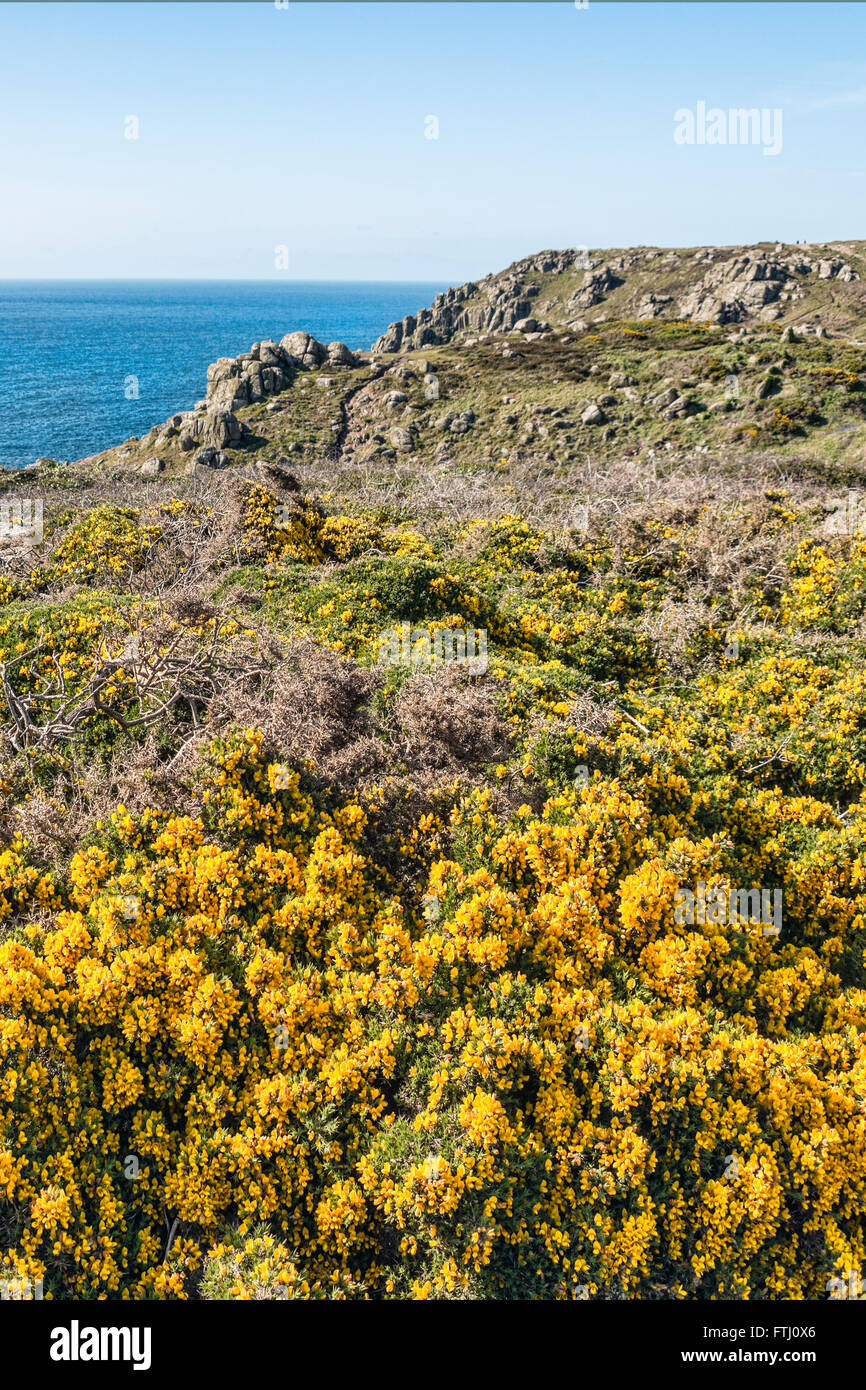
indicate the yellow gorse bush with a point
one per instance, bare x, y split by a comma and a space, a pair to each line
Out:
284, 1047
109, 543
233, 1020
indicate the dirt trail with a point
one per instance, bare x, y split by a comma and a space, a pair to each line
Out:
355, 412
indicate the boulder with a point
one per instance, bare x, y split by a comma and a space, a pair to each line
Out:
253, 376
768, 386
304, 349
217, 428
401, 438
390, 341
526, 326
210, 458
341, 356
227, 387
270, 354
738, 287
273, 380
151, 467
233, 382
592, 415
594, 288
223, 367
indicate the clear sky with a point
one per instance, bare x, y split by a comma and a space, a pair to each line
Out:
305, 127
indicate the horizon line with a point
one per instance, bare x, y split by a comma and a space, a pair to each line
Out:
209, 279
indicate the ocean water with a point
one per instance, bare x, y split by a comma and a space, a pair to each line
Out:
84, 364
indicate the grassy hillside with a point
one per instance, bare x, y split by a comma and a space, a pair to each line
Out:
329, 976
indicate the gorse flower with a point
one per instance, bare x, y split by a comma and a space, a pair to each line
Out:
288, 1041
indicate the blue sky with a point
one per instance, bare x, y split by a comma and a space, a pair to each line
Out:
304, 127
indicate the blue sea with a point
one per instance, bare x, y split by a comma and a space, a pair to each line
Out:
84, 364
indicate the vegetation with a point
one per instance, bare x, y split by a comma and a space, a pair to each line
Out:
323, 978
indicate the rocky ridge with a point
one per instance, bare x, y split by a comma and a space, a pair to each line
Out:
707, 284
562, 352
233, 382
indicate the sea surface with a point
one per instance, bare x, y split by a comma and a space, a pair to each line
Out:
85, 364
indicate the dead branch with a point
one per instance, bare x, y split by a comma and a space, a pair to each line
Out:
158, 671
